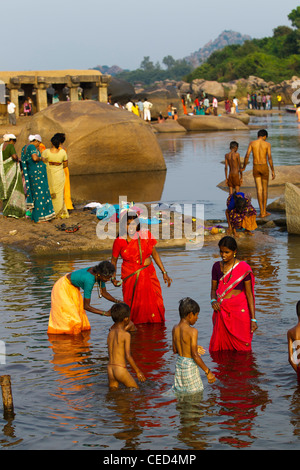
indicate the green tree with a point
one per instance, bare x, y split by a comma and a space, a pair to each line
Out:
169, 61
294, 17
147, 64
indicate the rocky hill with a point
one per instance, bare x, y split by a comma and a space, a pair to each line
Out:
105, 69
226, 38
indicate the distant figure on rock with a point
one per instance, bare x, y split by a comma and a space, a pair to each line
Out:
261, 151
215, 106
147, 110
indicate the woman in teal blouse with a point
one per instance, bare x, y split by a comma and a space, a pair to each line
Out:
67, 315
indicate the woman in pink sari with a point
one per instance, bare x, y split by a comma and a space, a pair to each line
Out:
233, 301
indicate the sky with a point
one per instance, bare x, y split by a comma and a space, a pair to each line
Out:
61, 34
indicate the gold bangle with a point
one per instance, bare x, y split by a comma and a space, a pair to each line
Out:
206, 373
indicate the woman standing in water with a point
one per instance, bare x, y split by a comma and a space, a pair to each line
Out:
141, 287
67, 315
232, 300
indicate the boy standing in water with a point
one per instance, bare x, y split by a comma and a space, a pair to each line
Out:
118, 342
293, 337
233, 162
184, 339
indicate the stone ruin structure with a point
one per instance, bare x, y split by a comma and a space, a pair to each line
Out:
47, 87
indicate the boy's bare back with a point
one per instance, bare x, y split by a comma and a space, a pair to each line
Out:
182, 339
233, 160
116, 342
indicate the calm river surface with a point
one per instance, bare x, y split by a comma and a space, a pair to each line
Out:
59, 385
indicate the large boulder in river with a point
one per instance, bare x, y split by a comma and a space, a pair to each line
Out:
120, 90
292, 204
99, 138
211, 123
161, 98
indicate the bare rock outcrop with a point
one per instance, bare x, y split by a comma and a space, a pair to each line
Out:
292, 204
99, 138
211, 123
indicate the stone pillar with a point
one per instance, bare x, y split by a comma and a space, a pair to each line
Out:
73, 85
102, 88
41, 94
73, 93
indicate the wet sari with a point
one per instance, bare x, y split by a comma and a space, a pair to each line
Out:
67, 315
11, 186
232, 324
141, 287
37, 189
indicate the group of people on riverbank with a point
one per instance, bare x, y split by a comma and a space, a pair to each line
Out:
140, 107
260, 100
36, 184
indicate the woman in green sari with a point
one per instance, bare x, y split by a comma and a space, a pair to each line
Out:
38, 198
11, 186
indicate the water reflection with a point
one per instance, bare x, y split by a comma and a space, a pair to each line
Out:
23, 277
148, 347
127, 425
139, 186
295, 411
238, 381
71, 361
192, 411
265, 266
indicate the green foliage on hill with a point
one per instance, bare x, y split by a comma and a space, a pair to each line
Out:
148, 72
273, 58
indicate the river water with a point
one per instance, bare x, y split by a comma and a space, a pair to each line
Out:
59, 385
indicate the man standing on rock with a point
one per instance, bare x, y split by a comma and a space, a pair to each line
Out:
11, 110
215, 105
147, 108
261, 151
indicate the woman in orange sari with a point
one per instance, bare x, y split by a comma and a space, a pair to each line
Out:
141, 287
68, 307
233, 301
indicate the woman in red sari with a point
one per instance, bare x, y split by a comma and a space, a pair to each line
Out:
233, 301
141, 287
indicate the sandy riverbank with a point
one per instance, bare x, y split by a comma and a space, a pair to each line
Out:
46, 240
